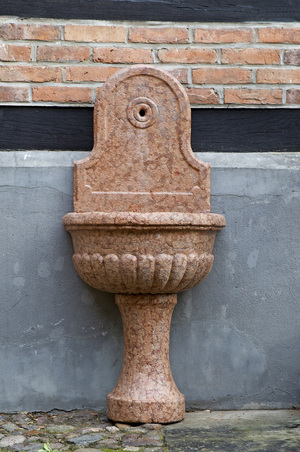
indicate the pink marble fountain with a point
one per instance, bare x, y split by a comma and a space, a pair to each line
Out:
142, 228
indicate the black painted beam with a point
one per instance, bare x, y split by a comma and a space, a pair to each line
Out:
164, 10
215, 130
41, 128
246, 130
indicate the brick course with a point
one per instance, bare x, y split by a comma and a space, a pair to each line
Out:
222, 76
59, 61
203, 96
278, 76
293, 96
63, 53
12, 94
30, 32
223, 35
61, 94
180, 73
189, 55
253, 96
89, 73
292, 57
251, 56
37, 74
11, 52
122, 55
279, 35
159, 35
90, 33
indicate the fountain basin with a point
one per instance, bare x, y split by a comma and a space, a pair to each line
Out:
128, 252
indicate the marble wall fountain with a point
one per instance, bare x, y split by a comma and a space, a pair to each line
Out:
142, 228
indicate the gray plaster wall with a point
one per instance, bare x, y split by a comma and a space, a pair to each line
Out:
234, 338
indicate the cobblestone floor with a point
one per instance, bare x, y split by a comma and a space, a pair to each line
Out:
91, 431
80, 430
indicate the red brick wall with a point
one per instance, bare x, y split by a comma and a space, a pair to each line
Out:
55, 62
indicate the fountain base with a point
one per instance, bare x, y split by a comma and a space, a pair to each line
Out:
146, 391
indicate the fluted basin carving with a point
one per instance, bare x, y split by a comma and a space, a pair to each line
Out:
142, 228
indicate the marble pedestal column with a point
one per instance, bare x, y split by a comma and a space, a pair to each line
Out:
146, 391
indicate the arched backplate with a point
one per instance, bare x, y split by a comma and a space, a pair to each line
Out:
142, 159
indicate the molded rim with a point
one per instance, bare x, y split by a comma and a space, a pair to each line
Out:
204, 220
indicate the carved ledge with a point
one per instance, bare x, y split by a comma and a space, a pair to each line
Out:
163, 273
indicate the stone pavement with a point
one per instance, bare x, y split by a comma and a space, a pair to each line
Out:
236, 431
91, 431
